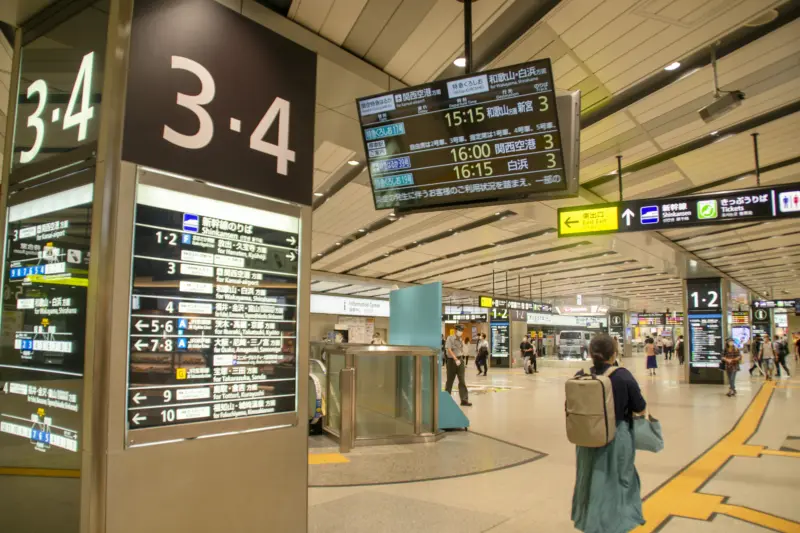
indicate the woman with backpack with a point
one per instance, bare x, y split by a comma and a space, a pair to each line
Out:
650, 351
607, 496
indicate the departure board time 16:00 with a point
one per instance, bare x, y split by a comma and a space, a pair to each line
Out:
481, 137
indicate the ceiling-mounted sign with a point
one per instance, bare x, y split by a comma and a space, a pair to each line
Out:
763, 203
342, 305
489, 302
470, 317
489, 136
652, 319
760, 315
246, 124
675, 319
740, 318
774, 304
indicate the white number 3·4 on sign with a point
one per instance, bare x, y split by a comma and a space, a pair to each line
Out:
279, 110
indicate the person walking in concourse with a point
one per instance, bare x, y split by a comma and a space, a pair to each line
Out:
650, 352
755, 355
481, 360
767, 356
607, 496
732, 357
455, 366
781, 348
679, 348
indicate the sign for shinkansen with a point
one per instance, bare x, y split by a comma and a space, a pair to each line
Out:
744, 205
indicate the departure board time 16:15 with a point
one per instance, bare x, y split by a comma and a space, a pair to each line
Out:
482, 137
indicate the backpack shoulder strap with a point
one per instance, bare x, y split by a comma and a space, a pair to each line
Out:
610, 371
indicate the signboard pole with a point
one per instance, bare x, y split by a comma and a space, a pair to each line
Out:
619, 176
755, 153
468, 35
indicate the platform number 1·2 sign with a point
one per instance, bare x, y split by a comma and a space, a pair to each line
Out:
233, 104
78, 114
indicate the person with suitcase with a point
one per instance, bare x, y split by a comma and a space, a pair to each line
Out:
600, 407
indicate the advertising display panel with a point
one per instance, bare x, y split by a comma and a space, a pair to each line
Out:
492, 135
213, 323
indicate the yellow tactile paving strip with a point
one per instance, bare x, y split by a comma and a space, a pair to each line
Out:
313, 459
680, 496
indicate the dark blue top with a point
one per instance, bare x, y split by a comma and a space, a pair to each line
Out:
628, 397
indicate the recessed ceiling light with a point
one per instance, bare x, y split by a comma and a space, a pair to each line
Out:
353, 163
715, 132
673, 66
497, 214
460, 62
362, 230
318, 194
319, 255
338, 244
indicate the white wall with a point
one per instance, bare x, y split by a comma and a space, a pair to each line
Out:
6, 53
322, 324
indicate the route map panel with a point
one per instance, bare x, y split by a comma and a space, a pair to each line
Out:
213, 311
487, 136
46, 278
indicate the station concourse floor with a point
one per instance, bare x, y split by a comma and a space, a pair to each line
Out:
730, 464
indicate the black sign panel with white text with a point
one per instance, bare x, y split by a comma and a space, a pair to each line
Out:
227, 101
488, 136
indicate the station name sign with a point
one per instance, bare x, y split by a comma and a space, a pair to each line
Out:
489, 302
745, 205
484, 137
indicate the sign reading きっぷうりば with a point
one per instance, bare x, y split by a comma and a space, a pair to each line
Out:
763, 203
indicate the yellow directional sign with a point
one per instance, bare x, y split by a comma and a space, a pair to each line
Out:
588, 220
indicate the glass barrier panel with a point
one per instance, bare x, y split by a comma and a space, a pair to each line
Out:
334, 404
385, 399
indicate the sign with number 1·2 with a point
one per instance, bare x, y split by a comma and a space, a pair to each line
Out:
216, 96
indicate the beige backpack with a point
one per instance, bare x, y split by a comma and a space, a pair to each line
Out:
591, 421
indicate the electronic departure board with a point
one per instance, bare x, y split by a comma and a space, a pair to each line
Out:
213, 323
44, 325
500, 339
487, 136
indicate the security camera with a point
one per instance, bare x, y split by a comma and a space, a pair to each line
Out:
724, 103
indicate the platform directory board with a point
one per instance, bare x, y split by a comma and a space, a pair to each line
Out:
487, 136
45, 284
213, 318
705, 327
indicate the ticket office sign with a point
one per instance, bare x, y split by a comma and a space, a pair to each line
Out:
764, 203
487, 136
213, 321
44, 324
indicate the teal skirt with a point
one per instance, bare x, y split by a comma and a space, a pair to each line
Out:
607, 496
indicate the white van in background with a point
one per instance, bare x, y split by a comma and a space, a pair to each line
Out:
573, 344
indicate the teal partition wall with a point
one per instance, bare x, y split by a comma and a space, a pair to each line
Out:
415, 319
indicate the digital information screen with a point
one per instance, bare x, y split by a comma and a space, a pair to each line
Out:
652, 319
741, 335
487, 136
740, 318
213, 322
500, 339
705, 340
44, 324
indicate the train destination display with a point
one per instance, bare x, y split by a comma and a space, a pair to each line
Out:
706, 340
500, 339
480, 137
744, 205
213, 311
44, 324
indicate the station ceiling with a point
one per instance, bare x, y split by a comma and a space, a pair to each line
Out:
615, 52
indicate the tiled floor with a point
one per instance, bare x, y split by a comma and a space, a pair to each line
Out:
536, 496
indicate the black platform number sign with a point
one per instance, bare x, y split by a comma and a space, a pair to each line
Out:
216, 96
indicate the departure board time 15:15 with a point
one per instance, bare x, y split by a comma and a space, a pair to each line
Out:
477, 138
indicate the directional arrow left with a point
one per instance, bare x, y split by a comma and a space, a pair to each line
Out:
569, 222
138, 419
139, 346
138, 397
140, 325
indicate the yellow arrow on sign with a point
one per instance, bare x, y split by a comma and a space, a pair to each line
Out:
589, 220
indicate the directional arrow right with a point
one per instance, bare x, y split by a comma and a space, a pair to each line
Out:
291, 256
291, 240
627, 215
138, 419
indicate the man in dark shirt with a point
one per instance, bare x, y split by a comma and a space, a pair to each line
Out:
528, 356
